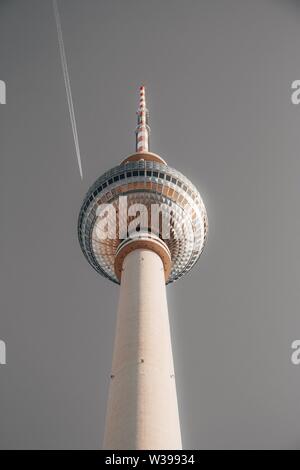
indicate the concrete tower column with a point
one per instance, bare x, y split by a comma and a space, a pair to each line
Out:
142, 411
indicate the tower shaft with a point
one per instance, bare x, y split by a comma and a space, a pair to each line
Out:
142, 411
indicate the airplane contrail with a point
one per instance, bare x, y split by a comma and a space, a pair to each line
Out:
67, 84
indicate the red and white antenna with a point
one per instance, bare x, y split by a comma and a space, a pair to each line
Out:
143, 130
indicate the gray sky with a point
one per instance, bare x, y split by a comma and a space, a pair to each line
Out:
218, 76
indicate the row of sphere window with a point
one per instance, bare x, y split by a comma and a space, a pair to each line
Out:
132, 166
133, 173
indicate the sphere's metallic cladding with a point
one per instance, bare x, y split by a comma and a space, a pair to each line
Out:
144, 182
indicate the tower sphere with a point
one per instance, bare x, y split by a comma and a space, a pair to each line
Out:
143, 178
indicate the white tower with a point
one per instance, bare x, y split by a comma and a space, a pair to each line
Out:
142, 411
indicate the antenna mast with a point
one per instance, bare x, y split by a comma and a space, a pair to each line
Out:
143, 130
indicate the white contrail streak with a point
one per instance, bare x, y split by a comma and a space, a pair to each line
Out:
67, 83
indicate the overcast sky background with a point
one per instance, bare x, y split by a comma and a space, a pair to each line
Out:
218, 76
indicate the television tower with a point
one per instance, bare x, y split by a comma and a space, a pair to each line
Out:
142, 256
